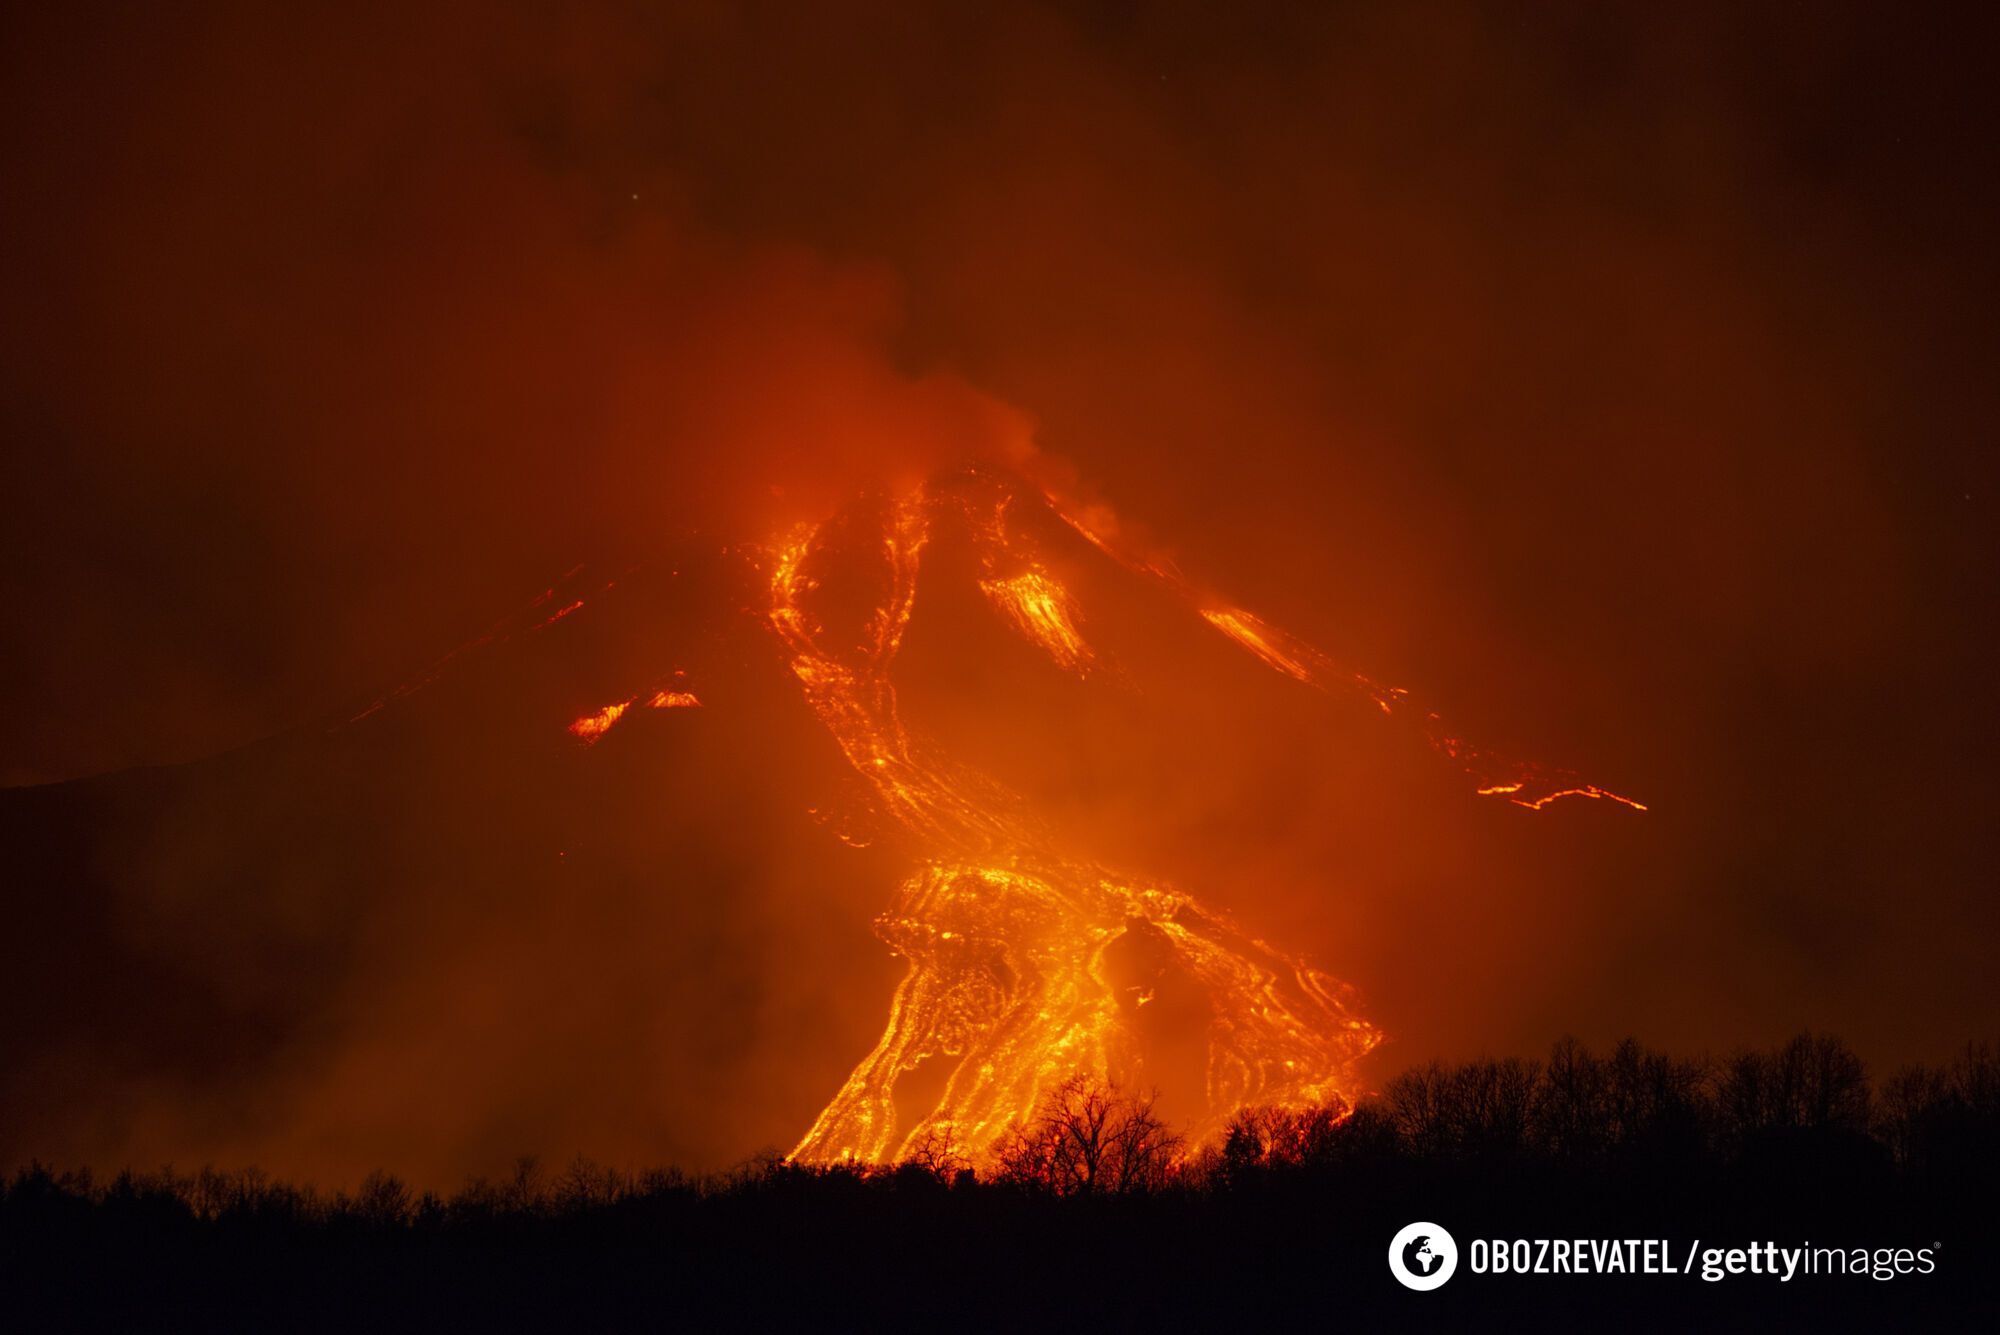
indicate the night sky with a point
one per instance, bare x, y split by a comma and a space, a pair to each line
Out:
1618, 376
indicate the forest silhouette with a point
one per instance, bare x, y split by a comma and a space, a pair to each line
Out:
1097, 1212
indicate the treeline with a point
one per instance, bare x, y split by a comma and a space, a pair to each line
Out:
1637, 1106
1096, 1213
1631, 1108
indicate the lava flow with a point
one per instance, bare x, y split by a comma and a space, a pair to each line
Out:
1523, 783
1021, 950
1008, 937
589, 727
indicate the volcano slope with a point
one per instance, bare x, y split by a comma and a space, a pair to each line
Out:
640, 870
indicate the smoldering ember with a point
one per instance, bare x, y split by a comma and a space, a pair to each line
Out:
740, 664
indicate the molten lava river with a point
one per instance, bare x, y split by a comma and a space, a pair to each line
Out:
1008, 936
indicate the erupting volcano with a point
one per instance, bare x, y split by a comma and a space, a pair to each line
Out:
1109, 825
1008, 937
1030, 961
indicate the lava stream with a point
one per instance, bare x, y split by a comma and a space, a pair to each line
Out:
1006, 935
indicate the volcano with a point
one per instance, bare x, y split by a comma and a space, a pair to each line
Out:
643, 866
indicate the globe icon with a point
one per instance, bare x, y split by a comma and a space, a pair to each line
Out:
1423, 1256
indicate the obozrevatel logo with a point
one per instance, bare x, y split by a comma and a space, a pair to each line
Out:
1422, 1256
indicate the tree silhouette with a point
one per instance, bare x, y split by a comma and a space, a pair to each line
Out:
1090, 1139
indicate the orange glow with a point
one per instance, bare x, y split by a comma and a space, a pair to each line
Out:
589, 728
1043, 612
1588, 790
557, 615
593, 726
1524, 784
1260, 640
1005, 935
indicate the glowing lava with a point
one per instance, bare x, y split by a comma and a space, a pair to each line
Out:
594, 725
1007, 936
1523, 783
1016, 943
1041, 609
1259, 639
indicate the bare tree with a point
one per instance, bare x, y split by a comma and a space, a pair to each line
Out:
1091, 1139
1418, 1100
1282, 1137
1943, 1119
383, 1200
939, 1153
1814, 1082
586, 1184
1482, 1107
1570, 1111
